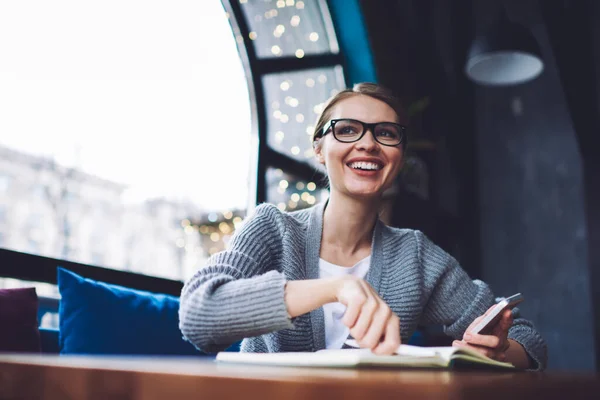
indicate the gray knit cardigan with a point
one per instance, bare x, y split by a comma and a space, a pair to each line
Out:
239, 294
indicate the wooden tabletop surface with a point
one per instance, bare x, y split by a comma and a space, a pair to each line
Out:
88, 377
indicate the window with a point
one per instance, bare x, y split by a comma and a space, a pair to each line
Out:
293, 52
294, 101
291, 193
289, 28
139, 109
4, 183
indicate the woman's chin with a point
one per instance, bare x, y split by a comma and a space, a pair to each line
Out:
365, 192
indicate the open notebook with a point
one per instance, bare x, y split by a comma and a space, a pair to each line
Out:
406, 356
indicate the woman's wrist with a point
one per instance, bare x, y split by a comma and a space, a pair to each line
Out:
517, 356
304, 296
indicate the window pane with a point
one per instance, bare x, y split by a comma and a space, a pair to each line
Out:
290, 193
289, 28
294, 101
111, 138
216, 229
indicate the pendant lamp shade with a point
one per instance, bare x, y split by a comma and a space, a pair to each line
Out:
507, 55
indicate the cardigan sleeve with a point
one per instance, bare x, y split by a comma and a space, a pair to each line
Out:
240, 291
454, 300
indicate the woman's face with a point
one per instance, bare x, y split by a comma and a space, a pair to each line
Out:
341, 159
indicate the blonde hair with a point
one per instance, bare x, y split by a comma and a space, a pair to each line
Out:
373, 90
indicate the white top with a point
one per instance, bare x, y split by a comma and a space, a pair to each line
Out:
336, 332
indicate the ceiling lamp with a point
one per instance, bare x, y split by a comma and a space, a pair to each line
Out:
507, 55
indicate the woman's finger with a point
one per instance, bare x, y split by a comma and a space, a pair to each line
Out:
490, 341
505, 323
392, 337
377, 327
367, 311
353, 311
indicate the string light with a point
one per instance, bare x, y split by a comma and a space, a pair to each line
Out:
204, 229
237, 222
281, 206
300, 185
313, 37
285, 86
291, 101
279, 135
228, 214
305, 196
277, 114
283, 184
185, 222
310, 129
278, 172
289, 3
252, 35
279, 30
310, 82
224, 227
295, 197
299, 118
322, 78
276, 50
239, 39
212, 217
311, 186
271, 14
292, 204
295, 21
215, 237
189, 229
280, 4
299, 5
284, 118
295, 150
243, 1
299, 53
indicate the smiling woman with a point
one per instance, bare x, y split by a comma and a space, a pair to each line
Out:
116, 128
307, 280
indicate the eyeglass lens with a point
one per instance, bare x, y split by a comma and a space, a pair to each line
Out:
346, 130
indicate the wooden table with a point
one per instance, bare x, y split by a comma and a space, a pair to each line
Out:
85, 377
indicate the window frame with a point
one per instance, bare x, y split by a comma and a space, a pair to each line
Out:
256, 68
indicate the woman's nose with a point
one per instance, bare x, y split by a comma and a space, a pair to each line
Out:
367, 142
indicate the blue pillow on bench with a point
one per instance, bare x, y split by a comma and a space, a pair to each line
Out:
100, 318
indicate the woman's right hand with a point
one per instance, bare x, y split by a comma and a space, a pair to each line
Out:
371, 321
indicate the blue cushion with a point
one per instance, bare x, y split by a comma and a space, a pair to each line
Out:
99, 318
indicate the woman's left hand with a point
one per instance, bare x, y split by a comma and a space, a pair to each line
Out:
493, 345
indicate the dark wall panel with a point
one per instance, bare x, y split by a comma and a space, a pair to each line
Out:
533, 221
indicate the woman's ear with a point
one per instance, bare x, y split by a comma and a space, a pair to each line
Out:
318, 149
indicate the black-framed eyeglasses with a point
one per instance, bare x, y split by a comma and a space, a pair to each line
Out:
348, 130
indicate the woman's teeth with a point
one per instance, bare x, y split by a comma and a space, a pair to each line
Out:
365, 165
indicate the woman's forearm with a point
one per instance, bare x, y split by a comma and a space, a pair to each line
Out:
304, 296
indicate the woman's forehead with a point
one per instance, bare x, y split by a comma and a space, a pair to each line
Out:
364, 108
